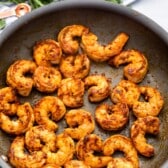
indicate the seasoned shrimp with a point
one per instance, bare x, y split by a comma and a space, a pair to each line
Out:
99, 87
112, 117
64, 152
76, 164
67, 38
137, 66
51, 166
47, 79
139, 128
125, 92
20, 159
22, 120
153, 105
8, 101
85, 149
47, 52
71, 92
81, 123
100, 53
121, 143
17, 79
75, 66
48, 110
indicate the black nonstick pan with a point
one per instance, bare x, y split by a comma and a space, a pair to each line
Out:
106, 20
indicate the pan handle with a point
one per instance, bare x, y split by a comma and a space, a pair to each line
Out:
3, 163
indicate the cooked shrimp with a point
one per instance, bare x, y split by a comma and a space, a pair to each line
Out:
71, 92
48, 110
137, 66
80, 122
112, 117
64, 152
75, 66
125, 92
51, 166
67, 38
47, 52
21, 159
22, 120
100, 53
76, 164
153, 105
121, 143
99, 87
85, 149
47, 79
139, 128
17, 79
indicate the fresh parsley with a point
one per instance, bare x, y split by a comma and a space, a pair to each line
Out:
2, 24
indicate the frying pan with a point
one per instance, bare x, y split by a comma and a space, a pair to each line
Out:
106, 20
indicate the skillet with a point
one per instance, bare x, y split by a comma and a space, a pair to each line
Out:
106, 20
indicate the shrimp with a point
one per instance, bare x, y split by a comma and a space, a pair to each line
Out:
100, 53
22, 120
71, 92
76, 164
51, 166
21, 159
125, 92
139, 128
81, 123
153, 105
17, 79
67, 38
75, 66
99, 87
47, 79
47, 52
85, 149
137, 66
112, 117
48, 110
121, 143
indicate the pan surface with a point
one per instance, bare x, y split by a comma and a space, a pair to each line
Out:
106, 20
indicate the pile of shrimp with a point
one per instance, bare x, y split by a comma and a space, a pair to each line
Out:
60, 70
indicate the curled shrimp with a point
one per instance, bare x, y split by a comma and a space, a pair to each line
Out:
100, 53
125, 92
19, 158
139, 128
47, 79
19, 122
17, 79
85, 149
112, 117
71, 92
153, 104
67, 38
99, 87
51, 166
47, 52
121, 143
80, 122
76, 164
75, 66
48, 110
137, 66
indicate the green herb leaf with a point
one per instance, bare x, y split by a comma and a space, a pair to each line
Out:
2, 23
115, 1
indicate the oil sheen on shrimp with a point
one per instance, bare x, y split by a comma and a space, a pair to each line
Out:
76, 164
80, 123
47, 79
85, 149
48, 110
51, 166
142, 126
137, 66
100, 53
112, 117
99, 87
71, 92
151, 106
75, 66
123, 144
16, 76
68, 38
47, 52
